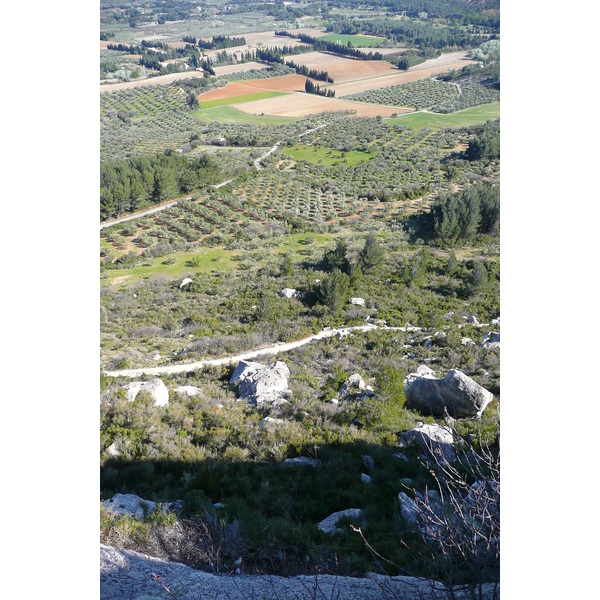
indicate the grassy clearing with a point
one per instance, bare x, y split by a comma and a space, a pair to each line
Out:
355, 40
327, 156
229, 114
207, 260
240, 99
462, 118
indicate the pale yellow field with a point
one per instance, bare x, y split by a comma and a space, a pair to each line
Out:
301, 105
342, 69
240, 68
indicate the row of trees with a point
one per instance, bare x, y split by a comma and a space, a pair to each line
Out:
313, 73
315, 88
461, 216
131, 184
218, 42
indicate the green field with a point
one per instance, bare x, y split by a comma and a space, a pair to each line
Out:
229, 114
327, 156
355, 40
207, 260
461, 118
240, 99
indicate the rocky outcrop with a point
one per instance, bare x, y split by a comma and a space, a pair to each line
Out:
301, 461
355, 384
289, 293
127, 574
491, 340
457, 394
408, 508
328, 525
156, 388
130, 504
434, 440
357, 301
423, 371
262, 384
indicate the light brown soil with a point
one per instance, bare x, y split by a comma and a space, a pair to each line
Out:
425, 70
240, 68
342, 69
301, 105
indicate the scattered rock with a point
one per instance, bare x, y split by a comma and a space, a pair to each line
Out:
352, 386
466, 341
155, 356
261, 383
473, 320
328, 525
448, 315
188, 390
434, 440
365, 478
289, 293
495, 322
491, 340
301, 461
156, 388
368, 461
457, 394
333, 401
185, 282
401, 456
357, 301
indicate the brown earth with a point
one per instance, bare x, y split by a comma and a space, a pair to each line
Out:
287, 83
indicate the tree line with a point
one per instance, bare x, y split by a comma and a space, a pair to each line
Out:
219, 42
463, 215
131, 184
315, 88
312, 73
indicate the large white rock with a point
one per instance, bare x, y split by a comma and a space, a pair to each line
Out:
289, 293
185, 282
328, 525
357, 301
491, 340
261, 383
457, 394
156, 388
130, 504
434, 440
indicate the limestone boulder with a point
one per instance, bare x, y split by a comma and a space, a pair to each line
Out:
188, 390
423, 371
262, 384
289, 293
357, 301
329, 524
355, 384
301, 461
408, 508
435, 441
156, 388
130, 504
185, 282
457, 394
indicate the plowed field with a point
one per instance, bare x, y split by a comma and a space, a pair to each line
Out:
287, 83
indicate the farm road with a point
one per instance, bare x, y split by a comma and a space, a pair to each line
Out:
269, 350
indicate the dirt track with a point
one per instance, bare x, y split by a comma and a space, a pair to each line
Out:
111, 87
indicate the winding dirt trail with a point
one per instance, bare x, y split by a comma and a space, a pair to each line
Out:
267, 351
